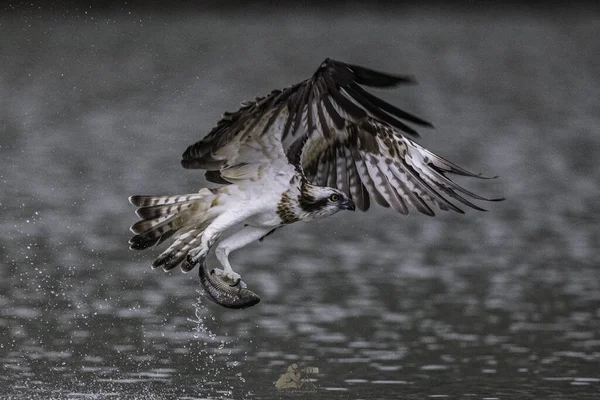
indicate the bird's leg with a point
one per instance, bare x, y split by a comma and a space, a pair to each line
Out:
210, 235
238, 240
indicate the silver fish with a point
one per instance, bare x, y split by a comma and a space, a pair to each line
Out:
224, 294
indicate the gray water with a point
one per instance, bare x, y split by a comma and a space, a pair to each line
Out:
96, 106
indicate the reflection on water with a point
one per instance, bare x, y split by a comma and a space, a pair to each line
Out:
501, 304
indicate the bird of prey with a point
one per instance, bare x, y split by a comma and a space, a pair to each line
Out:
296, 155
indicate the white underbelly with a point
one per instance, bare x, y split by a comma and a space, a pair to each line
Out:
257, 199
268, 219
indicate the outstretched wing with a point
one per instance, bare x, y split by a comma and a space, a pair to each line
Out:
253, 135
346, 138
242, 144
372, 160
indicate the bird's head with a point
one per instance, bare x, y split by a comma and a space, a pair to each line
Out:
320, 202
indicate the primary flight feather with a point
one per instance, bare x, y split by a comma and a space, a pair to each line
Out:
347, 148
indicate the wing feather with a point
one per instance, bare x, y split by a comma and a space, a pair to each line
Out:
332, 173
346, 104
337, 119
326, 128
357, 190
417, 202
367, 180
383, 185
410, 190
387, 107
341, 172
369, 77
379, 113
311, 106
426, 190
322, 170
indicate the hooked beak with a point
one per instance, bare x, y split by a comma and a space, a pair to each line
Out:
348, 205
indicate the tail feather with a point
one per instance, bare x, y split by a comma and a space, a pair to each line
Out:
139, 242
177, 252
148, 201
148, 225
165, 216
151, 212
149, 233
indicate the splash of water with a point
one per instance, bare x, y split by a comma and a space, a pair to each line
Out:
213, 369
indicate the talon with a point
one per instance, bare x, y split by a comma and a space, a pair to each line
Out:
196, 256
187, 266
231, 278
189, 259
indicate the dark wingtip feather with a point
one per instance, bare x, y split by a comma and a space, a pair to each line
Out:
377, 105
481, 176
367, 76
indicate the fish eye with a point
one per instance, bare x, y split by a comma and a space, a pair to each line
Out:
334, 197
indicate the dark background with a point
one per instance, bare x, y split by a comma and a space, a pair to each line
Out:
98, 103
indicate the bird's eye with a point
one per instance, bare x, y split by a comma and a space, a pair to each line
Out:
334, 197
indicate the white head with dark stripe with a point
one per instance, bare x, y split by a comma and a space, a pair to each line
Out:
320, 202
308, 202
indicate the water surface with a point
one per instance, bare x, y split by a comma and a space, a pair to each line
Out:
97, 106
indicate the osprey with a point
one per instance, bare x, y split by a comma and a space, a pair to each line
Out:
299, 154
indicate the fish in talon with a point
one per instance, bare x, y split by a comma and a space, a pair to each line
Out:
222, 292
